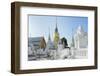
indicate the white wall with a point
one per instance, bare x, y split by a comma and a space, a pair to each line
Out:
5, 42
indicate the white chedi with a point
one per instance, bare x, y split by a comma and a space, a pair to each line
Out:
80, 38
80, 43
50, 49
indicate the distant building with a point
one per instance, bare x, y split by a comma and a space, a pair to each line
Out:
37, 42
80, 38
79, 46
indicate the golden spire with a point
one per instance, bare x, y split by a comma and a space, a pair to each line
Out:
56, 29
56, 35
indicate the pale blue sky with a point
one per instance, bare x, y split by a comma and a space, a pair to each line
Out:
39, 25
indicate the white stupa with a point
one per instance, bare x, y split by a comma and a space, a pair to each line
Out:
79, 48
50, 44
80, 38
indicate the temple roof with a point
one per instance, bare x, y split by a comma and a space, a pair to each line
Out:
35, 41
